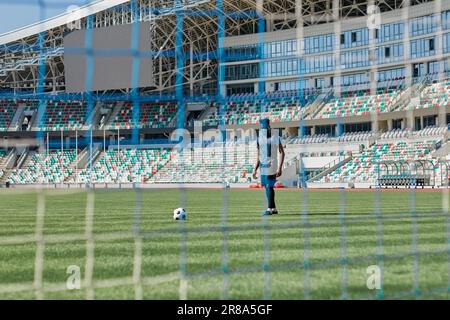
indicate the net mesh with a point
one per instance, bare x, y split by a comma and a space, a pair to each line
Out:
124, 244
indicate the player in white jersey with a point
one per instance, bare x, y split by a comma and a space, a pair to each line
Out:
269, 145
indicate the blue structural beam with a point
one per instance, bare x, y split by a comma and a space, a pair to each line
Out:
261, 32
135, 75
40, 88
221, 71
179, 94
89, 81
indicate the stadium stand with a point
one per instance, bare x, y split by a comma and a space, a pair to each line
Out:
7, 109
359, 105
435, 95
355, 136
2, 159
431, 131
124, 165
320, 138
324, 138
151, 115
63, 115
53, 167
362, 168
248, 109
216, 163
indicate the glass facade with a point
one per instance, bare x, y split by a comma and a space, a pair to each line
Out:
389, 32
423, 47
318, 44
433, 69
355, 59
288, 48
317, 64
389, 53
314, 54
292, 67
354, 79
446, 43
445, 20
248, 52
290, 85
392, 74
422, 25
241, 71
240, 88
280, 49
354, 38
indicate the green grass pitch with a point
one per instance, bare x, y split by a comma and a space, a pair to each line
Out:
226, 248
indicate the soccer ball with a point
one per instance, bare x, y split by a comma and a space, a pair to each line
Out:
179, 214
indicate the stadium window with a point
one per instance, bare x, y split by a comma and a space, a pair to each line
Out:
422, 48
422, 25
418, 124
397, 123
319, 83
291, 47
354, 37
415, 71
445, 20
446, 42
418, 70
342, 38
387, 52
398, 31
306, 44
330, 42
316, 44
265, 51
431, 44
413, 49
429, 121
386, 32
231, 72
278, 49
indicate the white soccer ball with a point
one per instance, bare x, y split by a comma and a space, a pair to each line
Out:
179, 214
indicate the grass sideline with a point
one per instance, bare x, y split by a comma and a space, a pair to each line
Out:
226, 248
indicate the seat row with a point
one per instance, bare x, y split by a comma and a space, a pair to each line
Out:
51, 167
363, 167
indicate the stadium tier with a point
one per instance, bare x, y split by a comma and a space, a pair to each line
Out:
232, 163
124, 165
7, 110
54, 167
2, 159
250, 111
151, 115
63, 115
359, 105
434, 96
363, 167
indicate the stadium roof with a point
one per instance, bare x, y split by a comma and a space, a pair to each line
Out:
59, 20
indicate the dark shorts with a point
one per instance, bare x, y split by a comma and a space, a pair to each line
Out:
268, 181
